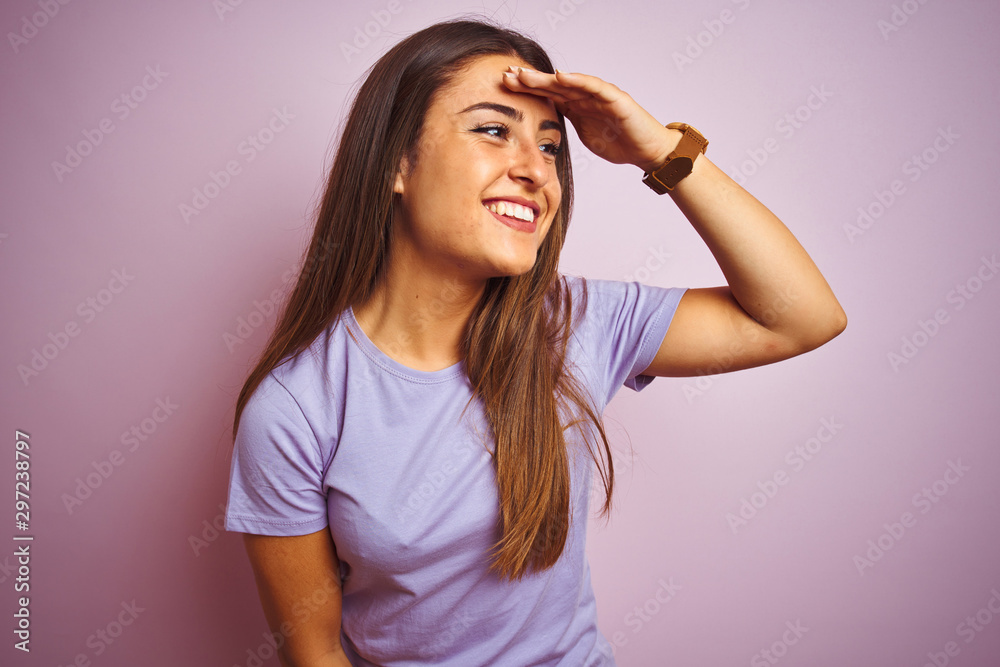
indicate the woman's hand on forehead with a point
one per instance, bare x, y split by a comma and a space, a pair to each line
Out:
608, 121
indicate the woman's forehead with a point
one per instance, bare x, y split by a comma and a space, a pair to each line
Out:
481, 80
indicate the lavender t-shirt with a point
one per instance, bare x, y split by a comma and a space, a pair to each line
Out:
346, 437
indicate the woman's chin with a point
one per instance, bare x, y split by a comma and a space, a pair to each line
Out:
516, 267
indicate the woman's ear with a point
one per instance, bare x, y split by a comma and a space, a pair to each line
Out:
401, 173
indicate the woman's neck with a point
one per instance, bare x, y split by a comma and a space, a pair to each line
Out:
419, 318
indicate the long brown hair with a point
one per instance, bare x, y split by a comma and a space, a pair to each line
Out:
515, 342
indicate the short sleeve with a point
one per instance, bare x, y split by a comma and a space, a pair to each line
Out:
622, 328
276, 479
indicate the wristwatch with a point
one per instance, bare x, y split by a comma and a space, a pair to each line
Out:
680, 162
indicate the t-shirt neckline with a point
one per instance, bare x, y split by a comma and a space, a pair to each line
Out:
375, 353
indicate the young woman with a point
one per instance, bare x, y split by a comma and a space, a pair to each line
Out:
414, 450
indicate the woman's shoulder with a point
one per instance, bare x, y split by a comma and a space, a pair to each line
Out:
595, 297
305, 378
615, 292
582, 286
619, 314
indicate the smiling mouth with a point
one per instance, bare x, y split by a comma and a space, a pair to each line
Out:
511, 210
507, 213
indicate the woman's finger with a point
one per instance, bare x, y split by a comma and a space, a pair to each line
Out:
547, 89
534, 79
574, 82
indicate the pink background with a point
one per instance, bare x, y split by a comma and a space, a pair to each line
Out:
702, 445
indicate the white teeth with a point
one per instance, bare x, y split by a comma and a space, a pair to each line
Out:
513, 210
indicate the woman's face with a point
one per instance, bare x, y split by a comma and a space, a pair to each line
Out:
483, 190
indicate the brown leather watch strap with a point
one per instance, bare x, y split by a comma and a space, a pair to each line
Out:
680, 162
691, 143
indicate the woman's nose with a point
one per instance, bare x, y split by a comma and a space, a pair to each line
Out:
531, 165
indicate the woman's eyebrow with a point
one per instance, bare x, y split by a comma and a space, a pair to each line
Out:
510, 112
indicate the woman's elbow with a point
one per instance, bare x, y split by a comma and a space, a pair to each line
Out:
826, 327
837, 322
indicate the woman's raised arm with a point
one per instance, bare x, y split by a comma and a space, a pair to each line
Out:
777, 303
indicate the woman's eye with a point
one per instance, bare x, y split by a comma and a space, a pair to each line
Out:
502, 132
498, 131
551, 149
